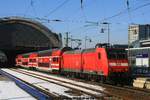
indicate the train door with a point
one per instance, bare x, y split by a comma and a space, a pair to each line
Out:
55, 63
25, 62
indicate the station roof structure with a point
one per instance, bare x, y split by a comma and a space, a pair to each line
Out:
19, 33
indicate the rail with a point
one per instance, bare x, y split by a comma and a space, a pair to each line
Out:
94, 92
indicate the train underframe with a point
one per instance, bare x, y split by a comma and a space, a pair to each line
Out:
119, 78
113, 78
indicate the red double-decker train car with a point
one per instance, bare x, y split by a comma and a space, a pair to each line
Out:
33, 57
19, 60
25, 60
44, 60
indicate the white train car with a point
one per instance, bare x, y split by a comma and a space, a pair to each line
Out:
139, 61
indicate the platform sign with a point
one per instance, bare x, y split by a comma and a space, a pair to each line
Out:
142, 60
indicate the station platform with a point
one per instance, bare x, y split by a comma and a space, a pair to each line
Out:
10, 91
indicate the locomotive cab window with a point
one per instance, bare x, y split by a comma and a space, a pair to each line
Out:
121, 55
116, 54
112, 56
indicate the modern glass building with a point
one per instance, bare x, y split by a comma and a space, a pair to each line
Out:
139, 35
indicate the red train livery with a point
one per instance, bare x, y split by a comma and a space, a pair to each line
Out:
96, 62
33, 58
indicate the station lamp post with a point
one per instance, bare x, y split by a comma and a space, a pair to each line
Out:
102, 29
87, 39
108, 30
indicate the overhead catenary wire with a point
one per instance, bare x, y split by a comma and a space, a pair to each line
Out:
26, 11
129, 13
78, 10
81, 3
31, 5
125, 11
118, 14
57, 8
108, 18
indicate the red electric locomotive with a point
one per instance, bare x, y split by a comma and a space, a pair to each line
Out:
96, 63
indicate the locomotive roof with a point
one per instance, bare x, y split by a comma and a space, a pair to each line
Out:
115, 50
80, 51
107, 49
73, 52
89, 50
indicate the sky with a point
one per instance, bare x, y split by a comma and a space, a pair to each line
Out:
75, 19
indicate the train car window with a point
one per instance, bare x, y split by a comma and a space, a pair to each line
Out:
32, 60
55, 59
99, 55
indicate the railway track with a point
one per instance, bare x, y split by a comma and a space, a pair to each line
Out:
126, 93
95, 92
106, 91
